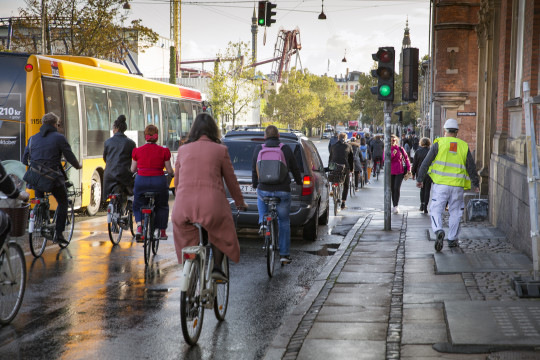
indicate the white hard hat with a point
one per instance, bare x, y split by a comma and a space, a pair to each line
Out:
451, 124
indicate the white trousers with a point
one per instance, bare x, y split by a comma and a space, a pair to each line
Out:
440, 195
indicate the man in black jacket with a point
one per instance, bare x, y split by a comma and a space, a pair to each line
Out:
117, 156
47, 148
282, 191
342, 153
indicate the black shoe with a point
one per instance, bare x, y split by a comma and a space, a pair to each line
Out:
60, 240
453, 243
425, 210
219, 275
440, 240
285, 259
343, 205
422, 207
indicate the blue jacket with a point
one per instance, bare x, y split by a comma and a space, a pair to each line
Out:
48, 146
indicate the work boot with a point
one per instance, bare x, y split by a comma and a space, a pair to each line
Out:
439, 242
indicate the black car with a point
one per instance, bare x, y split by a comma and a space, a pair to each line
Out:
309, 202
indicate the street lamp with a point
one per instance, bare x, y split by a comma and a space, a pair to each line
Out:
344, 57
322, 15
126, 6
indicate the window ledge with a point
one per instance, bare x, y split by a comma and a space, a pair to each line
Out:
513, 103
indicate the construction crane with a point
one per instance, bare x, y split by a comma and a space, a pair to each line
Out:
176, 30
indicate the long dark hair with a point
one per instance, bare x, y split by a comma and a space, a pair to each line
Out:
204, 124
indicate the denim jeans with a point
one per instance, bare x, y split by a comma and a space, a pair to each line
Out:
283, 211
152, 184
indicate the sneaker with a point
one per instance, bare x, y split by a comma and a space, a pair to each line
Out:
397, 210
60, 240
453, 243
219, 275
394, 210
421, 207
285, 259
261, 230
356, 188
163, 234
138, 234
331, 193
343, 206
439, 242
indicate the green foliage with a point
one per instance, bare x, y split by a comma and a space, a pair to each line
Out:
233, 88
88, 27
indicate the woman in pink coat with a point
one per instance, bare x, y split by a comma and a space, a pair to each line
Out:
200, 168
397, 171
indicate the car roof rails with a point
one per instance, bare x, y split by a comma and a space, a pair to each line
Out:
248, 130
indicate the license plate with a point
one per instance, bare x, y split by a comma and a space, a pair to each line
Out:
247, 189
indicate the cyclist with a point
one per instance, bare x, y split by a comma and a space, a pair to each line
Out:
281, 190
47, 147
342, 153
377, 148
149, 160
366, 156
117, 156
201, 166
357, 157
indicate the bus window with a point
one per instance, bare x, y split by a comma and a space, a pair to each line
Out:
97, 112
53, 98
186, 118
171, 123
148, 111
155, 103
117, 104
136, 112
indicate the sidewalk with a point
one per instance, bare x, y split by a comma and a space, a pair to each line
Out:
388, 295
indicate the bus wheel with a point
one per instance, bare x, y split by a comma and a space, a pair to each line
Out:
95, 195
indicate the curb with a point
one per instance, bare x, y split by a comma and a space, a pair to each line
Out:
278, 346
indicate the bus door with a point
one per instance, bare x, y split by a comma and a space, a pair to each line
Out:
72, 131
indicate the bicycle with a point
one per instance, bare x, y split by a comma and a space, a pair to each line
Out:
336, 178
12, 276
42, 228
376, 167
271, 233
198, 290
119, 215
352, 189
151, 241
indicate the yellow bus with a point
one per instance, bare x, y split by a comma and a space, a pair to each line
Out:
87, 94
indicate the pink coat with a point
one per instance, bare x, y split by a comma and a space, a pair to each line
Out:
397, 153
200, 169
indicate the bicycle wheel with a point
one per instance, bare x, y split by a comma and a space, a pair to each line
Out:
221, 301
191, 307
115, 230
35, 235
155, 238
70, 224
147, 238
336, 199
270, 253
12, 282
129, 212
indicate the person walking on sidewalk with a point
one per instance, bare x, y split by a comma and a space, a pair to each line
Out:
419, 157
399, 166
342, 153
452, 169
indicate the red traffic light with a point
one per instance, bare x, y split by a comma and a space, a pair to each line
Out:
384, 55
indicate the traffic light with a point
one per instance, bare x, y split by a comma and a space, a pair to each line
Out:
410, 75
385, 58
270, 13
262, 13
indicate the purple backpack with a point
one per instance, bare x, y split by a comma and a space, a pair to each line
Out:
271, 165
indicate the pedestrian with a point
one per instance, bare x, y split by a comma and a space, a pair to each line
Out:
149, 160
333, 140
365, 158
399, 166
47, 148
450, 165
342, 153
357, 162
202, 167
117, 156
419, 157
280, 189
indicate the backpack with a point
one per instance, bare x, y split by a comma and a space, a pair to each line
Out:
271, 165
363, 149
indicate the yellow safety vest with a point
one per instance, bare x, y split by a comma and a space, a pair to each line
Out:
448, 167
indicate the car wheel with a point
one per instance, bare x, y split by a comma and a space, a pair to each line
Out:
325, 217
311, 229
95, 195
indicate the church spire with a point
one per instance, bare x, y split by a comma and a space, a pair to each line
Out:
406, 37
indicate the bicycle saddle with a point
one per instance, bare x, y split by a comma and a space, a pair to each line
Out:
151, 194
271, 199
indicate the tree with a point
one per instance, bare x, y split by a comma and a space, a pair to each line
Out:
233, 89
366, 102
82, 27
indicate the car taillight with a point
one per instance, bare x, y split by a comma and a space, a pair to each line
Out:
307, 186
35, 201
28, 67
112, 196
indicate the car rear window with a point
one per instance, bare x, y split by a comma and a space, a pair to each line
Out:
241, 153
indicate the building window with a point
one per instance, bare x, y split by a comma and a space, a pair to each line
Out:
516, 56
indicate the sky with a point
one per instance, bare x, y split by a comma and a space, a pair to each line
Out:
354, 29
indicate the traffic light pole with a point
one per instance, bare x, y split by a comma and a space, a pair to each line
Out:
388, 105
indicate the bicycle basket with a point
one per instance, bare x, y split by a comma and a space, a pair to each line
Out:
19, 219
337, 175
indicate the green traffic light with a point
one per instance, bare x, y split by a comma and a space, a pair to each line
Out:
384, 90
261, 22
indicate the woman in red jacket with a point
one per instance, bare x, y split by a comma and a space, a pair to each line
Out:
398, 157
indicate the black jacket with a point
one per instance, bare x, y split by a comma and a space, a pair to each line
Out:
6, 184
48, 146
342, 153
117, 156
419, 156
291, 164
377, 148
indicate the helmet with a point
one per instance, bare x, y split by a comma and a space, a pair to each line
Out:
451, 124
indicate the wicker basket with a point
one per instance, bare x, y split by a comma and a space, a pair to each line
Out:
19, 219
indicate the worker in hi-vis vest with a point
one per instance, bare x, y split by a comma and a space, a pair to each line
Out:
450, 165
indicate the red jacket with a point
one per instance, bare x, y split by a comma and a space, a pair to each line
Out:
397, 155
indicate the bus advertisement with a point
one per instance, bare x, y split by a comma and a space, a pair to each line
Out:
88, 95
